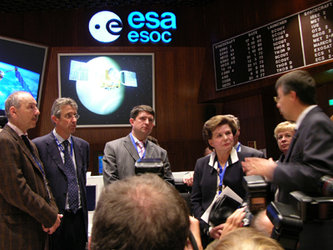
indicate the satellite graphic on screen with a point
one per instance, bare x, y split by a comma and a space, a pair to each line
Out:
113, 77
101, 77
13, 78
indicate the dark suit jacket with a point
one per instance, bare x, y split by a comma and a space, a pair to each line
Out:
25, 204
205, 184
310, 156
251, 152
120, 156
50, 155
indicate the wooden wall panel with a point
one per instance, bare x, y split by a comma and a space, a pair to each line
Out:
179, 115
185, 94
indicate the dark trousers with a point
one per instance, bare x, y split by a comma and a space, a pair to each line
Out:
71, 234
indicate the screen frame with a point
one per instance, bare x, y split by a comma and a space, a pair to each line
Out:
97, 54
42, 73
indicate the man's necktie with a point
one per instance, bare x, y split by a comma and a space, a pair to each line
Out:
141, 148
27, 143
73, 192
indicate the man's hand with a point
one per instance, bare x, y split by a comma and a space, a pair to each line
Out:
188, 179
259, 166
56, 224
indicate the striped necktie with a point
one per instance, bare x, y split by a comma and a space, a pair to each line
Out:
141, 149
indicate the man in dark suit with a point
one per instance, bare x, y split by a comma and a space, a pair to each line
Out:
310, 155
120, 155
27, 207
61, 152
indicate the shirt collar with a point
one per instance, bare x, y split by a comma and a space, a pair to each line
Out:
303, 114
233, 157
136, 140
18, 131
60, 139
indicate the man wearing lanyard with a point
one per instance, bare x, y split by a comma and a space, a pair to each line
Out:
246, 151
27, 208
66, 160
120, 155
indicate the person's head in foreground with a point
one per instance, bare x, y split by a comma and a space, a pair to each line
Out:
246, 238
140, 212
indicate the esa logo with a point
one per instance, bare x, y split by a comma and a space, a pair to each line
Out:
106, 27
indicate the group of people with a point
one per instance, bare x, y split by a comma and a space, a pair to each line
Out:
43, 195
43, 189
305, 141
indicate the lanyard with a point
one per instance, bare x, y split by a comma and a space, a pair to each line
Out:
27, 143
136, 146
238, 147
61, 147
221, 174
39, 164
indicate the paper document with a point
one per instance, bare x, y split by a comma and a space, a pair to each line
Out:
226, 191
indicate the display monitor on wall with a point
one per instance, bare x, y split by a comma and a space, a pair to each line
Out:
106, 86
21, 69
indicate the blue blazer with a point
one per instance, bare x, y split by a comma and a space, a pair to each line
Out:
51, 158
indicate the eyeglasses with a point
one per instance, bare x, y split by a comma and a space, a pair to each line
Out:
276, 99
70, 116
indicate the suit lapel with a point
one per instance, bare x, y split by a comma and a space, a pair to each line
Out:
300, 128
78, 154
23, 147
149, 149
53, 152
290, 150
131, 148
30, 156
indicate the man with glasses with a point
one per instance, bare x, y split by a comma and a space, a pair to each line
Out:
309, 157
66, 160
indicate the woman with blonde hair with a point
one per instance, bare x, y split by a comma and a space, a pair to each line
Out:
283, 134
245, 238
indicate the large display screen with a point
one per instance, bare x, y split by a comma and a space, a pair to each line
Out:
299, 40
106, 86
21, 69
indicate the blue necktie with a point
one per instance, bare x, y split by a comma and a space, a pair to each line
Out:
73, 192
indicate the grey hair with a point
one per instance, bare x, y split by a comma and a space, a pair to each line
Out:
60, 102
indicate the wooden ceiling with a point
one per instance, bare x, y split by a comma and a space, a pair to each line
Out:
16, 6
